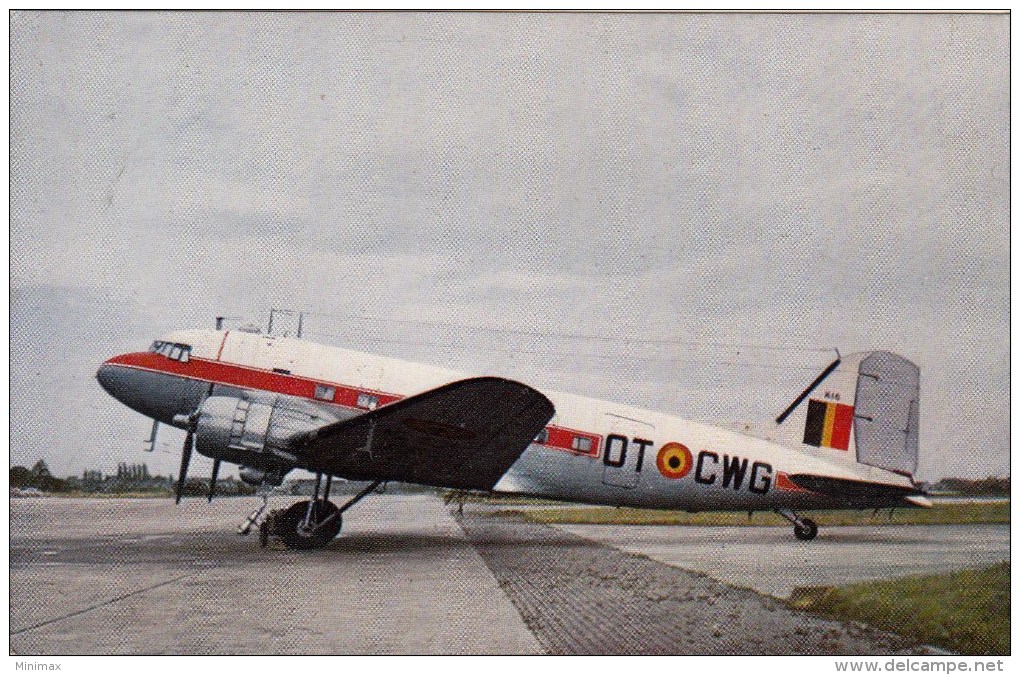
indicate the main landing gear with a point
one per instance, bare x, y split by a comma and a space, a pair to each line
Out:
306, 524
804, 529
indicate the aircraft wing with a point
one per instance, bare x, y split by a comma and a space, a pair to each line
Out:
859, 494
462, 435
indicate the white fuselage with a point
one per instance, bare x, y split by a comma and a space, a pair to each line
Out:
592, 451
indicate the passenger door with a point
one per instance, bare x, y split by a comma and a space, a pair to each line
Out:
627, 442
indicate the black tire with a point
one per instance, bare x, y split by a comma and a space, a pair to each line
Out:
808, 530
287, 525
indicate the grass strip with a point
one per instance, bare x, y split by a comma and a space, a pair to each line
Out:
965, 612
940, 514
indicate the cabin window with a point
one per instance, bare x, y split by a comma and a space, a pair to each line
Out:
165, 349
175, 352
368, 401
582, 444
324, 392
185, 353
156, 346
543, 437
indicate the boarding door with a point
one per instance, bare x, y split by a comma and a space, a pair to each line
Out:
627, 442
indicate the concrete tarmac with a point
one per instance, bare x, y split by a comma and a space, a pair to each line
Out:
143, 576
770, 561
106, 576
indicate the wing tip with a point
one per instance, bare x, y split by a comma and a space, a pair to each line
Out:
535, 393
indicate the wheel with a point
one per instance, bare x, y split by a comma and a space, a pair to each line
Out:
808, 530
325, 525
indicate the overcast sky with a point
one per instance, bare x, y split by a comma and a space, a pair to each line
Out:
755, 188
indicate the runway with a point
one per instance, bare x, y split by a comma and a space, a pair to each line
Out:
112, 576
770, 561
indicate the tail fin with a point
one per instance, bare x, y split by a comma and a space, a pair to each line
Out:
867, 404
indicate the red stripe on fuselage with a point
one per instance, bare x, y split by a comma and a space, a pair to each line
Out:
248, 377
561, 438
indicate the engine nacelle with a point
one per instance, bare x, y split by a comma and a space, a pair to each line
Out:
256, 477
257, 433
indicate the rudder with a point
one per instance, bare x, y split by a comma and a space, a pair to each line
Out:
887, 412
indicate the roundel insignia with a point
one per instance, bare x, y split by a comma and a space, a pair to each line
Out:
674, 460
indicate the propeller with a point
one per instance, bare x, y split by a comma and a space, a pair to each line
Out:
190, 422
212, 482
189, 445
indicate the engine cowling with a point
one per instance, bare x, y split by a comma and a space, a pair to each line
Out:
256, 477
257, 433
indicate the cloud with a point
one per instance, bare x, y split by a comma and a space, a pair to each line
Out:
804, 180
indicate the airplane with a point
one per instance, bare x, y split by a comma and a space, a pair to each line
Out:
272, 404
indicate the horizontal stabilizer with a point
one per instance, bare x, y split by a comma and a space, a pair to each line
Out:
856, 493
919, 500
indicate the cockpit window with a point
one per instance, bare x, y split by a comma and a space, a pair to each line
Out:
172, 350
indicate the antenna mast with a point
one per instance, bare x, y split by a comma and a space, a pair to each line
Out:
288, 312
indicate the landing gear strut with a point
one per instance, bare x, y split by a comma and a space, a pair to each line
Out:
312, 523
253, 517
804, 529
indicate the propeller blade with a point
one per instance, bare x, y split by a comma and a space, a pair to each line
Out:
189, 443
212, 483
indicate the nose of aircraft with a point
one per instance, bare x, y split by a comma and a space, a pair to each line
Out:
132, 380
108, 380
123, 383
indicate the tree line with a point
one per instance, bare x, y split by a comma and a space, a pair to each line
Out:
129, 478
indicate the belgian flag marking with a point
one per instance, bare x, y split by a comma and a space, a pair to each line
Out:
674, 460
828, 424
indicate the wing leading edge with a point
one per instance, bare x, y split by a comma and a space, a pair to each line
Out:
462, 435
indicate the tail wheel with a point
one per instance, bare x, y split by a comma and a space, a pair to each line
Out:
323, 526
807, 530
